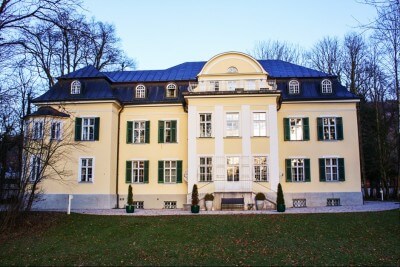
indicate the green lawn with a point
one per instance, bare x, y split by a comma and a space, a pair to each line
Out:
289, 239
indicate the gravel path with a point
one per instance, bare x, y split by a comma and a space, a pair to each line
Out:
368, 206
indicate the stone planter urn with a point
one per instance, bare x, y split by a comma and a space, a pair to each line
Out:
260, 204
260, 198
209, 205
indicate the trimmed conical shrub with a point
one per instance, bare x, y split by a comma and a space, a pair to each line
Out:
195, 196
130, 195
280, 200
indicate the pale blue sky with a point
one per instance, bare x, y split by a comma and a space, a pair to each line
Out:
159, 34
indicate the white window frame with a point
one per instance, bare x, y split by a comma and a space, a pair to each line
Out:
35, 168
331, 167
205, 166
141, 131
140, 91
87, 167
88, 127
214, 85
165, 120
298, 130
298, 169
254, 165
294, 87
58, 132
206, 122
226, 123
37, 129
170, 169
137, 173
232, 69
329, 125
259, 121
233, 166
76, 87
171, 86
326, 86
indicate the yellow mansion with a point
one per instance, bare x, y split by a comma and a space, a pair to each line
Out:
233, 125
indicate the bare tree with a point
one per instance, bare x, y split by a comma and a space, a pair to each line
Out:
387, 30
326, 56
278, 50
354, 56
47, 143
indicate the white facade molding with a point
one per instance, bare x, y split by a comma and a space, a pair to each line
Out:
274, 150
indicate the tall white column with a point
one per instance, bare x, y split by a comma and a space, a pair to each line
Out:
219, 162
192, 147
274, 147
245, 121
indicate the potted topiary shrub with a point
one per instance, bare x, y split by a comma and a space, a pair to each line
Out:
129, 207
209, 198
260, 198
195, 208
280, 201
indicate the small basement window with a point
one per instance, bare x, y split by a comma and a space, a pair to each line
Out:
333, 202
299, 203
169, 205
138, 204
75, 87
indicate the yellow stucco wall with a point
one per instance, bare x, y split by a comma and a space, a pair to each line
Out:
154, 151
314, 149
103, 152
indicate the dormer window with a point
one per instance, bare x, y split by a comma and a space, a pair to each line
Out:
232, 69
75, 87
171, 90
326, 86
140, 91
294, 87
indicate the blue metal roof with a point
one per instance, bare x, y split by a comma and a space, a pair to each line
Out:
119, 85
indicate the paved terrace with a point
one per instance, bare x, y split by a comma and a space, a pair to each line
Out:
369, 206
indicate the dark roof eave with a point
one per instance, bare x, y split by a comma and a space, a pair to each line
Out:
320, 99
75, 100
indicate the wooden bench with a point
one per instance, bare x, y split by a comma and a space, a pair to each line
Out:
232, 203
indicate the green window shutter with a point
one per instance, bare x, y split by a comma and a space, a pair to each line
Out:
129, 132
320, 129
288, 163
160, 171
161, 131
286, 127
147, 134
146, 172
322, 177
78, 129
307, 176
179, 171
128, 173
173, 131
306, 129
96, 128
339, 128
342, 176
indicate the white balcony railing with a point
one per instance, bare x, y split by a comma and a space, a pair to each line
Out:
223, 85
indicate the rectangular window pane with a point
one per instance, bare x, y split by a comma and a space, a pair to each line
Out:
205, 169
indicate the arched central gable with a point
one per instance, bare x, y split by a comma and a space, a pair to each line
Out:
229, 62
